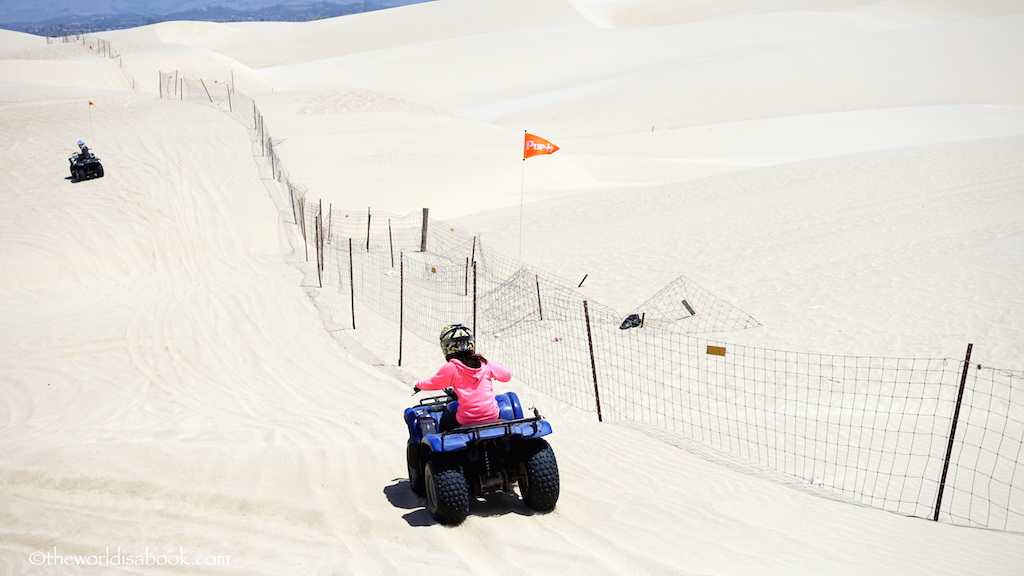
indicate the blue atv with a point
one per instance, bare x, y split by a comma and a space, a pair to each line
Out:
453, 467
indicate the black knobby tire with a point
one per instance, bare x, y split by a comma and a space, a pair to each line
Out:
99, 171
414, 461
447, 490
538, 468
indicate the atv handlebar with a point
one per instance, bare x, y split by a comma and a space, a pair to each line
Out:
437, 399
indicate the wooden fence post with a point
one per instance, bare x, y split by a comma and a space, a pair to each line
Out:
351, 284
291, 196
540, 307
301, 222
952, 432
320, 243
593, 362
423, 230
369, 216
401, 302
474, 297
391, 244
206, 89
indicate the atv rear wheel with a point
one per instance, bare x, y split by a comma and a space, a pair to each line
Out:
538, 470
414, 457
447, 491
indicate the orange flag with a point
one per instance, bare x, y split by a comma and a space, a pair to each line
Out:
535, 145
90, 103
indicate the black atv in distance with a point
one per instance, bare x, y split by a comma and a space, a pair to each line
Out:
85, 168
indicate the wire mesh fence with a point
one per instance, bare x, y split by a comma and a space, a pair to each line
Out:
99, 46
928, 437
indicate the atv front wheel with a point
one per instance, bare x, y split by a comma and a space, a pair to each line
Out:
447, 491
538, 470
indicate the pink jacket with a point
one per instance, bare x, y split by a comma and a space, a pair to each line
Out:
474, 387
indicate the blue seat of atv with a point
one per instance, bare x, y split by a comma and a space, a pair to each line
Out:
509, 403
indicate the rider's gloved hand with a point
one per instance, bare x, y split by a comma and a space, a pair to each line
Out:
416, 389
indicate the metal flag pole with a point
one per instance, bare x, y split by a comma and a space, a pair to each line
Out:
522, 278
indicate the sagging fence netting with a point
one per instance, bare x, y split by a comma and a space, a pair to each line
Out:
99, 46
936, 438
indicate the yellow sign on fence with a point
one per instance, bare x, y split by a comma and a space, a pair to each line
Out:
716, 350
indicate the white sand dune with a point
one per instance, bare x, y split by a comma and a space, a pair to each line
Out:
848, 172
